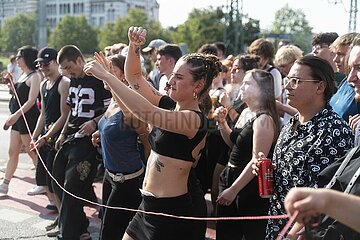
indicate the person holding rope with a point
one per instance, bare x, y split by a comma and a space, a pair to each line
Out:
24, 113
53, 114
75, 164
176, 139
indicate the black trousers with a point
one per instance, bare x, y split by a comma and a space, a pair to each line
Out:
246, 203
116, 194
75, 167
42, 178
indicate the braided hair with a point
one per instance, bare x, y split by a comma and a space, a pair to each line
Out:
206, 67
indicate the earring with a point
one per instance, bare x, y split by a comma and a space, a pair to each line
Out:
195, 96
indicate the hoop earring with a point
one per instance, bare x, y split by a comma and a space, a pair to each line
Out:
195, 96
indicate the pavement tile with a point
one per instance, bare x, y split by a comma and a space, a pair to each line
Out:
13, 216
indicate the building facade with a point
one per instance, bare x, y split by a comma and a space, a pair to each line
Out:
97, 12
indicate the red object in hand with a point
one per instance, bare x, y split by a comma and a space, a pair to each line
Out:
266, 178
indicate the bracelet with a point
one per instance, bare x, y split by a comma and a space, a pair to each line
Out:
142, 134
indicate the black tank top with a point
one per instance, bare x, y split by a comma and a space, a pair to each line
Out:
176, 145
52, 102
242, 138
22, 91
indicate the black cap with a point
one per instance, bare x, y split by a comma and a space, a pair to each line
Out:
46, 55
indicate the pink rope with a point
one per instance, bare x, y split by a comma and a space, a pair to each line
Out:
287, 226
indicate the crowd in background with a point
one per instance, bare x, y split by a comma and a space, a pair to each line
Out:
195, 123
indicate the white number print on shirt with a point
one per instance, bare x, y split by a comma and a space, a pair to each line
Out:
82, 97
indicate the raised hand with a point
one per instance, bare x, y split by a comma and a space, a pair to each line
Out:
96, 69
104, 61
137, 35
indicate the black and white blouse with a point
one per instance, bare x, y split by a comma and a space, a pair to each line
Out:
301, 153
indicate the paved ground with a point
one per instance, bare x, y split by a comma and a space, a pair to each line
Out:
24, 217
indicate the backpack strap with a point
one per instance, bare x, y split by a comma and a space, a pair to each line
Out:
342, 167
340, 171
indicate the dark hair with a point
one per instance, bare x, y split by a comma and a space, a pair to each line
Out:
208, 48
248, 61
320, 69
262, 48
221, 46
29, 54
324, 38
265, 81
207, 67
118, 61
69, 53
170, 50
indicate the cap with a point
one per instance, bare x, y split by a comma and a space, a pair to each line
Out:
156, 43
46, 55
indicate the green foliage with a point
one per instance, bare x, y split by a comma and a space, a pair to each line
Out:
251, 30
202, 26
293, 21
117, 32
74, 30
18, 31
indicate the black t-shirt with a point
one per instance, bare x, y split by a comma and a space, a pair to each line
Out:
87, 99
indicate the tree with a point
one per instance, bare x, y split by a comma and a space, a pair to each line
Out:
76, 31
202, 26
117, 32
251, 30
294, 22
19, 31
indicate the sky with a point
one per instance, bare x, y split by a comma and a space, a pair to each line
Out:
322, 15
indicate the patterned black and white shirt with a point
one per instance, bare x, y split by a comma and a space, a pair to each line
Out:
301, 153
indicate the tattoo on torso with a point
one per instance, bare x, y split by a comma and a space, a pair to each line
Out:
158, 165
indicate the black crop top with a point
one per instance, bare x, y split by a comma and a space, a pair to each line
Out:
173, 144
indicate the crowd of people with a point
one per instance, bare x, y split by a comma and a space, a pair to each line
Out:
194, 123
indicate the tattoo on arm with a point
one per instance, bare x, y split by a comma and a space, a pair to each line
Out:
158, 165
137, 51
156, 92
136, 86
